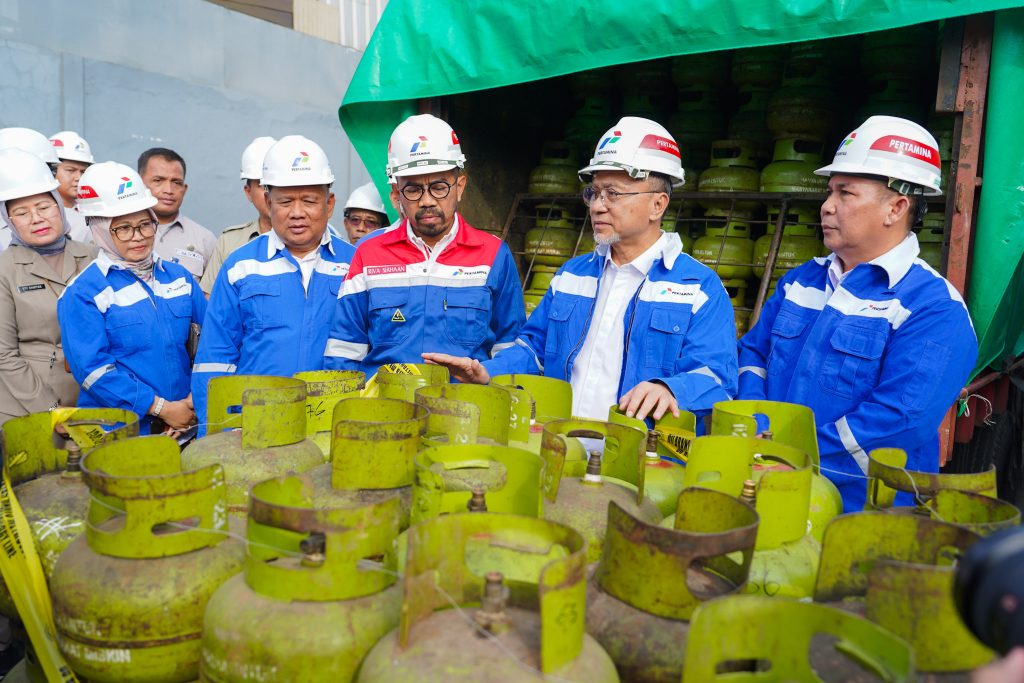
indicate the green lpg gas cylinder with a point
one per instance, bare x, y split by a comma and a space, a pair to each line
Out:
759, 67
979, 513
802, 110
587, 243
897, 570
324, 388
750, 122
737, 291
650, 580
43, 453
792, 425
707, 69
726, 249
741, 317
799, 242
617, 475
908, 50
698, 121
466, 413
541, 277
311, 609
587, 124
553, 238
496, 570
531, 299
372, 449
733, 168
271, 412
890, 94
786, 558
793, 165
402, 386
547, 398
666, 450
931, 237
556, 173
129, 594
786, 640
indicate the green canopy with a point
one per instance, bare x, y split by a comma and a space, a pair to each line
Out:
424, 49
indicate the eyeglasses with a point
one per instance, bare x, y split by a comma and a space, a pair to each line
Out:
41, 209
591, 194
371, 223
438, 189
126, 232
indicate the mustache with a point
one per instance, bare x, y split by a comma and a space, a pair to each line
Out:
423, 213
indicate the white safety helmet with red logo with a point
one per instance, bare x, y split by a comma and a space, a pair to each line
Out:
893, 148
110, 189
23, 174
31, 141
71, 146
639, 147
423, 144
295, 161
252, 157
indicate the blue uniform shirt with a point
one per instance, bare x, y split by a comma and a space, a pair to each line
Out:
125, 339
261, 320
879, 356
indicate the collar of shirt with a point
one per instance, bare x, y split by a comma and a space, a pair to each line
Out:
895, 262
105, 263
668, 247
437, 248
274, 243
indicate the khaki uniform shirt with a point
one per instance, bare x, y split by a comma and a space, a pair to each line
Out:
232, 238
32, 374
187, 243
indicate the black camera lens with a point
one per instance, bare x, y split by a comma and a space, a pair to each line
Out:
989, 589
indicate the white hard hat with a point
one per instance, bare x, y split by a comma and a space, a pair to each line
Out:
110, 189
423, 144
23, 174
295, 160
252, 157
639, 147
365, 197
893, 148
29, 140
71, 146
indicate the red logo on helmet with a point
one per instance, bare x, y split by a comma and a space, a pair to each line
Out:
455, 139
58, 143
86, 192
894, 144
660, 144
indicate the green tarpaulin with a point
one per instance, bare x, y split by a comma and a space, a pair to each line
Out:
424, 48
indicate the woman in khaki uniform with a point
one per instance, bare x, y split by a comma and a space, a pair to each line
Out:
34, 271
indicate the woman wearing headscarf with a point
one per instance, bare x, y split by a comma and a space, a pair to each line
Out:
127, 318
34, 270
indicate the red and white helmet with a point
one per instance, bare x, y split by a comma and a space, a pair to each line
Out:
892, 148
423, 144
71, 146
110, 189
639, 147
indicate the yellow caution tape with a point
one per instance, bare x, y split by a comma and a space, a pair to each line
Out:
23, 574
87, 436
372, 390
677, 441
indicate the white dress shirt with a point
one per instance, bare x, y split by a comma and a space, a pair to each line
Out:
598, 367
307, 264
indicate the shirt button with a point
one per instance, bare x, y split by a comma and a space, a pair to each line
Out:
676, 328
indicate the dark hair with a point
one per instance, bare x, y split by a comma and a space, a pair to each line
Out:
662, 183
163, 153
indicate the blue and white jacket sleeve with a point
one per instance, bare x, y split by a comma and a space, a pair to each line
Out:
508, 312
706, 369
526, 354
219, 344
348, 342
754, 348
88, 352
926, 363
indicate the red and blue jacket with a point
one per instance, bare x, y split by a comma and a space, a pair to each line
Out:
397, 302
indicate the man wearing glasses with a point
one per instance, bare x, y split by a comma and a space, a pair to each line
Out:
364, 212
638, 323
430, 282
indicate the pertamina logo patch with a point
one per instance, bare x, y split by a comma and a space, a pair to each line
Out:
420, 146
87, 192
126, 184
611, 139
301, 162
914, 149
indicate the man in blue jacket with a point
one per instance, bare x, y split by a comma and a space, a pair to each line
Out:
870, 337
431, 282
272, 303
638, 323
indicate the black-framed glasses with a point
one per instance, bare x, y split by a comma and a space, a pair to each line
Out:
126, 232
438, 189
591, 194
41, 209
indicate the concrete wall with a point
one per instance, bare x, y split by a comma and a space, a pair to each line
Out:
184, 74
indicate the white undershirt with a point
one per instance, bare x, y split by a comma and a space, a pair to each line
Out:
598, 367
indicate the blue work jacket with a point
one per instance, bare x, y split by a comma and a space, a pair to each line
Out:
125, 339
879, 359
680, 329
261, 321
